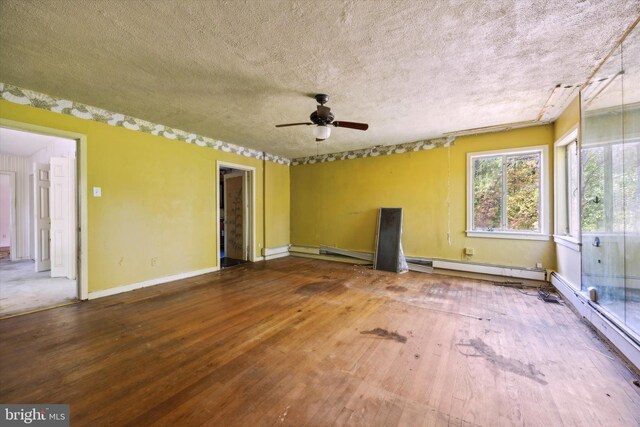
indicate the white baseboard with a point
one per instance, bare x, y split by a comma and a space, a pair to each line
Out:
273, 253
587, 309
274, 256
305, 250
494, 270
330, 258
148, 283
366, 256
420, 268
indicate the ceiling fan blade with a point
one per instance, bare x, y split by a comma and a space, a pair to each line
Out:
323, 112
351, 125
294, 124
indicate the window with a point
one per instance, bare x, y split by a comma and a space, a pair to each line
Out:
567, 195
611, 187
572, 190
506, 194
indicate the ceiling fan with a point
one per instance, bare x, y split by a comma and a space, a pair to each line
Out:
323, 118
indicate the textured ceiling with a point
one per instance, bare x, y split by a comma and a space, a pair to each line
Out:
231, 70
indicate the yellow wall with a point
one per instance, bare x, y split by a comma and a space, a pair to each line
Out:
568, 263
335, 203
158, 200
277, 206
569, 119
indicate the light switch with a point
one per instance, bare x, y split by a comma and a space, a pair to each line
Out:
97, 192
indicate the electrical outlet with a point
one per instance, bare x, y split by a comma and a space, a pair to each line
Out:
468, 251
97, 192
538, 265
154, 261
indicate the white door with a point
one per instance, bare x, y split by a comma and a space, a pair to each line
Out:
62, 217
42, 219
32, 219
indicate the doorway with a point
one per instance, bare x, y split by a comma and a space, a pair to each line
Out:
236, 217
41, 269
7, 215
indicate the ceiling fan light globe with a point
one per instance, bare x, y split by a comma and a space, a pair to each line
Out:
322, 132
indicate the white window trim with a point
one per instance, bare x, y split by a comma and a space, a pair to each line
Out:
568, 241
570, 136
544, 196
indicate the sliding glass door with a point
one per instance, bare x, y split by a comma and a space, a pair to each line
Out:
610, 172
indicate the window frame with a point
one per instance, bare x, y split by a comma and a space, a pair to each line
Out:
543, 234
561, 202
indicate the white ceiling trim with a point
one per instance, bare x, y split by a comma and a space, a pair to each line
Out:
21, 96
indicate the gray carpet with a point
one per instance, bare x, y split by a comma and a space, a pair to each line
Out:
22, 289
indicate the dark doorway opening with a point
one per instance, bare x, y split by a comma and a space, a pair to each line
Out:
233, 217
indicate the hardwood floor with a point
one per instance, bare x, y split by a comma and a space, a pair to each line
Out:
295, 341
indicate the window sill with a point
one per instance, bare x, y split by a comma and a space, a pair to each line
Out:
507, 235
568, 241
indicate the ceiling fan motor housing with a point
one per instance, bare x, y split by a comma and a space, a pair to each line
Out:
323, 117
321, 121
322, 98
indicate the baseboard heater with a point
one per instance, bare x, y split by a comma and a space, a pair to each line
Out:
429, 263
272, 253
620, 338
413, 263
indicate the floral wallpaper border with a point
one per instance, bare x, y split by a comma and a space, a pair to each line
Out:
21, 96
18, 95
384, 150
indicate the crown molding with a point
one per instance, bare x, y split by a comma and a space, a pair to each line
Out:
22, 96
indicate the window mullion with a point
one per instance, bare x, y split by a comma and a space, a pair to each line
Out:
504, 193
473, 194
568, 205
541, 212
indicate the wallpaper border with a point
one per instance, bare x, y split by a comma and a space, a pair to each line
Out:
384, 150
22, 96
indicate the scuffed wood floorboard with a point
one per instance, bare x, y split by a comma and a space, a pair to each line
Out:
303, 342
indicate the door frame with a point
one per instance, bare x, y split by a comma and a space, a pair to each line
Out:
12, 213
82, 237
250, 197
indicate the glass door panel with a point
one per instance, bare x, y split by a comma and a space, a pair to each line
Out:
631, 180
603, 203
